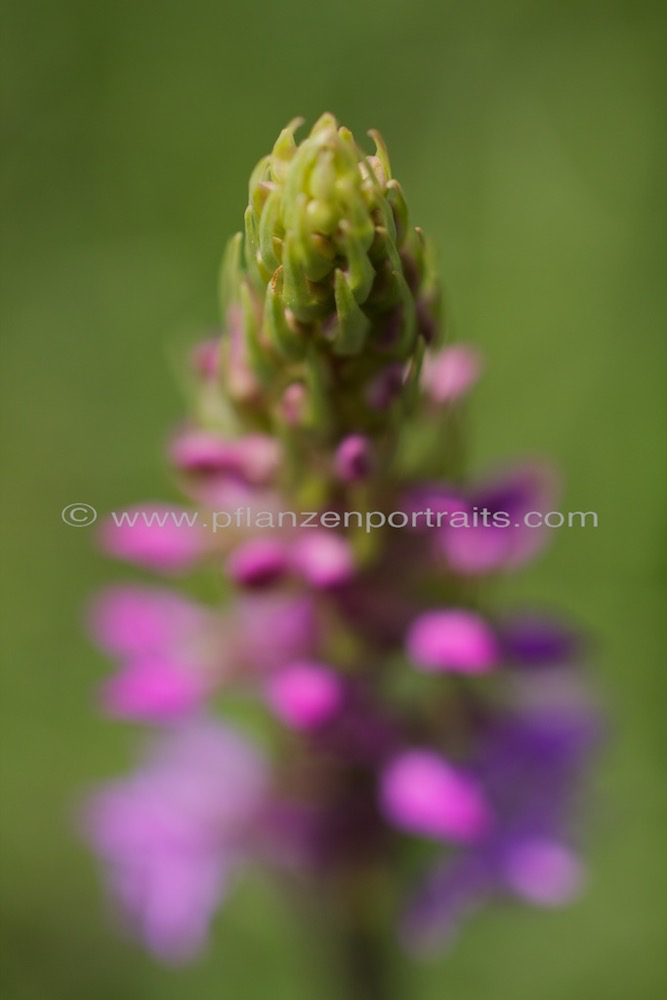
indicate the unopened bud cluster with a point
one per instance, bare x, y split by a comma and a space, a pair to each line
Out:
330, 294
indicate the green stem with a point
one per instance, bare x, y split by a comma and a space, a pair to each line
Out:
366, 968
365, 951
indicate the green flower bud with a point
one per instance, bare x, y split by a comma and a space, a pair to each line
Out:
335, 288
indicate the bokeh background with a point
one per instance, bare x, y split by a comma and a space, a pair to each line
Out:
526, 135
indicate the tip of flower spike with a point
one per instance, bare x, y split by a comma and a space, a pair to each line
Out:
294, 125
284, 149
460, 641
327, 122
381, 152
330, 258
423, 794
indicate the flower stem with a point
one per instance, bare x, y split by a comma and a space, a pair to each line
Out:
367, 966
367, 972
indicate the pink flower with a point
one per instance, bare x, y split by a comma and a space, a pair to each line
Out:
167, 539
274, 629
453, 640
512, 534
254, 458
134, 621
306, 694
543, 872
352, 461
258, 561
319, 556
203, 452
173, 833
449, 374
205, 358
154, 690
423, 794
293, 404
172, 652
323, 558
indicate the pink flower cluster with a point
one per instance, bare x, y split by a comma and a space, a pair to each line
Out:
321, 634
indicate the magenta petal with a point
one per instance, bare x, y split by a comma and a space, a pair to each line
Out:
323, 558
254, 458
452, 640
162, 538
260, 458
153, 690
275, 629
257, 562
352, 461
438, 499
477, 549
204, 452
423, 794
305, 695
507, 540
133, 621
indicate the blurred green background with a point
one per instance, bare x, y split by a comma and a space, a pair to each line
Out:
526, 136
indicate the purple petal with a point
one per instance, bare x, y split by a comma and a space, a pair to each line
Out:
506, 540
536, 640
448, 896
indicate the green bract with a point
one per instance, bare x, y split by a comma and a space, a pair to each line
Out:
330, 289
